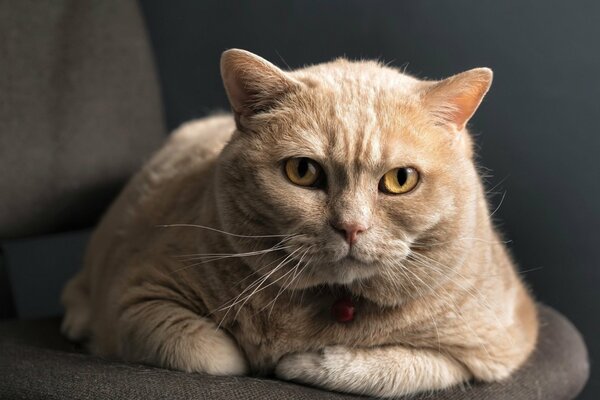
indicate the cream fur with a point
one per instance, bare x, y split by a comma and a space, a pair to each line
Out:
437, 296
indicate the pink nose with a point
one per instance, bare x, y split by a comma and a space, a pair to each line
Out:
350, 231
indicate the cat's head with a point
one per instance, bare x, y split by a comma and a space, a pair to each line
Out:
363, 165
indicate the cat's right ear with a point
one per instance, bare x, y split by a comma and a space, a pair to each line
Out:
454, 100
252, 83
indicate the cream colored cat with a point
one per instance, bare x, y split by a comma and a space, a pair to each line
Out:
333, 231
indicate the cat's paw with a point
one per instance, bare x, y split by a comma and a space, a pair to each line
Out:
212, 352
184, 341
300, 367
314, 368
76, 322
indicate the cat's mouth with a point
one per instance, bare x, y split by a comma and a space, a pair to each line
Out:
337, 255
357, 260
338, 262
338, 267
358, 257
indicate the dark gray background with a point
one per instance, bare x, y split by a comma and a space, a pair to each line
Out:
537, 130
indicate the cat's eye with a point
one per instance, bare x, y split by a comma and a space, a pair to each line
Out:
303, 171
399, 180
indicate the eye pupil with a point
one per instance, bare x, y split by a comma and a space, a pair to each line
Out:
402, 176
303, 167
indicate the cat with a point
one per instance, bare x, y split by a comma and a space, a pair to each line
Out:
332, 231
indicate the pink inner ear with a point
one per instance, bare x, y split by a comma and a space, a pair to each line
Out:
454, 100
237, 95
250, 81
466, 106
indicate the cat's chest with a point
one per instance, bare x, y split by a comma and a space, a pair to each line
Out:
317, 320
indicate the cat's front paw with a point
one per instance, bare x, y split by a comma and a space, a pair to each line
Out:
316, 369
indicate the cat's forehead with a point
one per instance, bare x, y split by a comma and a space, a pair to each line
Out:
355, 141
343, 77
358, 112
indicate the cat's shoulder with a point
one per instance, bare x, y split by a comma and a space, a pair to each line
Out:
189, 151
204, 132
192, 145
187, 155
219, 124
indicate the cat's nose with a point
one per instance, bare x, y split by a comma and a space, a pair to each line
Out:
350, 231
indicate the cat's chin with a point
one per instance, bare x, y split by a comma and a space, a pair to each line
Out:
341, 272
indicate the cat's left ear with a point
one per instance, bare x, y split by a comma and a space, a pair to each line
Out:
252, 83
454, 100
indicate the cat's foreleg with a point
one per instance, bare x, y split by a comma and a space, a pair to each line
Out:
380, 371
166, 334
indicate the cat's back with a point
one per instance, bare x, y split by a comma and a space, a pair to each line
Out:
191, 146
188, 155
164, 191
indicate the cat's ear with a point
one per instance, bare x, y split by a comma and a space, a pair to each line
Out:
252, 83
454, 100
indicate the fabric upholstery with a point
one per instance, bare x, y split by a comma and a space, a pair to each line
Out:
36, 363
79, 110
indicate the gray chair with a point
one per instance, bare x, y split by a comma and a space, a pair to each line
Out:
80, 110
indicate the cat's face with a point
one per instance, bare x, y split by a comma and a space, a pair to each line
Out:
350, 159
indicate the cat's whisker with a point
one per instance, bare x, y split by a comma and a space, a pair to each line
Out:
497, 185
281, 289
222, 256
311, 257
477, 295
499, 204
433, 243
257, 271
398, 283
427, 306
220, 231
235, 255
262, 252
302, 279
286, 285
258, 287
292, 277
250, 286
453, 306
527, 270
193, 256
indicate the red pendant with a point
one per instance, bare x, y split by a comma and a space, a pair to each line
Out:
343, 310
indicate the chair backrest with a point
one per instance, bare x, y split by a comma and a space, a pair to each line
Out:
79, 111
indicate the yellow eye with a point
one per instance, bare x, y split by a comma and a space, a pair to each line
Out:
399, 180
303, 171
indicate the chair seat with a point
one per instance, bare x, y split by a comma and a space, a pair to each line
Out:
37, 362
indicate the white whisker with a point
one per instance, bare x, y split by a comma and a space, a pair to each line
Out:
258, 287
220, 231
286, 285
499, 204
